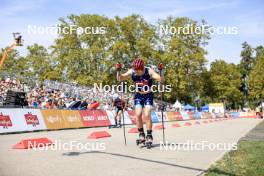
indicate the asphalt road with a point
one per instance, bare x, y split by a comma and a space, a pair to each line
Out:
110, 157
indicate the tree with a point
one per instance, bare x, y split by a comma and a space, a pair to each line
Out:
14, 64
245, 66
184, 57
39, 63
256, 80
226, 80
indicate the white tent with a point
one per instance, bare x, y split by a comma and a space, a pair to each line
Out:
177, 104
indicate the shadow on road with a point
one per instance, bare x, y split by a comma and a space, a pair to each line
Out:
133, 157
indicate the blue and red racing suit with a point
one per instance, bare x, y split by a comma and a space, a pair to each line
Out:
143, 83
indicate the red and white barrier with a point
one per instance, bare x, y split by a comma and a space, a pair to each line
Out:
19, 120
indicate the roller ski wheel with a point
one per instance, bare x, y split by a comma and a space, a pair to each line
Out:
149, 141
141, 139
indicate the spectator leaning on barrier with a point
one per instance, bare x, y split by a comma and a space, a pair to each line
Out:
84, 104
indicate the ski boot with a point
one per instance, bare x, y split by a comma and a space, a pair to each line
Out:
119, 125
149, 140
141, 138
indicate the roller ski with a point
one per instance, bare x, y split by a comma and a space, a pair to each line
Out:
112, 126
149, 141
115, 126
141, 139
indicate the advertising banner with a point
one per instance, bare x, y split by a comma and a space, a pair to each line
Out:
15, 120
154, 117
197, 115
87, 118
191, 115
251, 114
160, 117
101, 118
185, 115
207, 115
53, 119
131, 115
234, 114
174, 116
111, 117
71, 118
219, 115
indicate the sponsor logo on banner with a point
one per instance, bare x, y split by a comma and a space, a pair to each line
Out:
5, 121
101, 118
88, 118
31, 119
72, 118
17, 119
59, 119
53, 119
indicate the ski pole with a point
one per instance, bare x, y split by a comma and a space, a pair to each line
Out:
161, 67
118, 67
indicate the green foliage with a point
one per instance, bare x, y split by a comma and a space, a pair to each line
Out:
14, 63
247, 160
247, 60
256, 80
184, 58
90, 58
226, 80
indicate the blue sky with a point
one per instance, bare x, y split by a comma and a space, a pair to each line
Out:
247, 16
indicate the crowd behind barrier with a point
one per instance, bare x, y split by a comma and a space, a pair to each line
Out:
22, 120
56, 95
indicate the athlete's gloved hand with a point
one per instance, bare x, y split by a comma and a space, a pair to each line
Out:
161, 66
118, 66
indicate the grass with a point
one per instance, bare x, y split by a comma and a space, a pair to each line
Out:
247, 160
